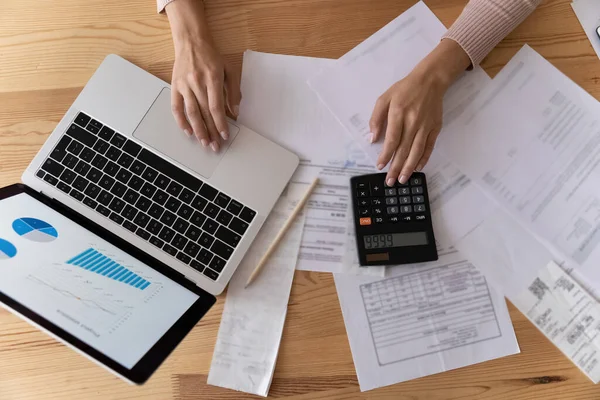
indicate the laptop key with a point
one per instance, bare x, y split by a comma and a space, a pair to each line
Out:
217, 264
106, 133
172, 204
129, 226
81, 135
60, 150
87, 155
212, 210
184, 258
197, 266
94, 126
247, 214
129, 212
174, 188
81, 119
40, 174
136, 182
106, 182
117, 205
116, 218
166, 234
228, 236
143, 203
149, 174
168, 218
197, 218
132, 148
75, 147
181, 226
185, 211
192, 249
210, 274
186, 196
206, 240
111, 169
90, 203
170, 170
199, 203
210, 226
92, 190
105, 198
118, 189
123, 175
224, 217
222, 200
50, 179
70, 161
141, 220
238, 226
179, 241
193, 233
208, 192
103, 210
142, 233
157, 242
170, 250
154, 227
160, 197
99, 161
137, 167
113, 153
162, 182
101, 146
125, 160
155, 210
235, 207
205, 256
131, 196
68, 176
148, 190
94, 175
64, 187
77, 195
82, 168
118, 140
52, 167
221, 249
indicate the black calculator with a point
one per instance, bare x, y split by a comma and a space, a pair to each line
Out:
393, 224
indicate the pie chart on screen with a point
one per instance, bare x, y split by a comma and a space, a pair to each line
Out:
7, 250
34, 229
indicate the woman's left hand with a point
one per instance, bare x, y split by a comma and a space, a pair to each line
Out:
410, 112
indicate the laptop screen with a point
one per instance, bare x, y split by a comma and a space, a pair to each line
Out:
93, 290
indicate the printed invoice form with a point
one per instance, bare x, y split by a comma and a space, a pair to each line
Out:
532, 142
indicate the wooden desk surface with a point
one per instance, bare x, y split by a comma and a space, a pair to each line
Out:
49, 49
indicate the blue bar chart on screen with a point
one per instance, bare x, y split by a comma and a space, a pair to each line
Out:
94, 261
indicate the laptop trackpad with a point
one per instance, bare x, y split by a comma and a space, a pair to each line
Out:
159, 130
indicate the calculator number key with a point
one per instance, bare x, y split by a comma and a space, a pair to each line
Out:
404, 191
416, 181
419, 207
390, 191
391, 201
418, 199
406, 209
392, 210
415, 190
405, 200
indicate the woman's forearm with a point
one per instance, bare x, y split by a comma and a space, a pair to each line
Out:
188, 22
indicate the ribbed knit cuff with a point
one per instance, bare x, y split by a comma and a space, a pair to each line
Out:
484, 23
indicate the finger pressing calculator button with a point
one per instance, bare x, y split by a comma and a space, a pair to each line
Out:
420, 217
362, 193
390, 191
405, 200
377, 211
376, 202
392, 210
418, 199
378, 220
365, 221
416, 181
363, 212
391, 201
419, 207
363, 202
416, 190
393, 219
404, 191
377, 189
406, 209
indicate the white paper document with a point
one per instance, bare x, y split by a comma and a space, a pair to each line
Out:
588, 13
423, 319
279, 105
253, 317
567, 315
532, 142
352, 85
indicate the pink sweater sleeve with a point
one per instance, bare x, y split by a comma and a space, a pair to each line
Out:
484, 23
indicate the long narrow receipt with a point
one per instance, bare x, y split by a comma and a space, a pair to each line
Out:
567, 315
252, 322
423, 319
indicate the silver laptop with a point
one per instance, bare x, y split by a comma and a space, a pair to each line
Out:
118, 158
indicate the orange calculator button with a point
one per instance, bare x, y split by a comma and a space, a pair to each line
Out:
365, 221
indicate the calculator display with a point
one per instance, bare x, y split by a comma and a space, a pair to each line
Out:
382, 241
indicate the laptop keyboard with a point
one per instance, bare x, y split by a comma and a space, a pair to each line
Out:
162, 204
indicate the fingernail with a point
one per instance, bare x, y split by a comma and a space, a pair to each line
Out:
204, 142
390, 182
187, 132
236, 110
380, 166
419, 168
403, 179
371, 137
214, 146
224, 135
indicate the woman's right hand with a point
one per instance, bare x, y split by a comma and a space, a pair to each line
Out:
202, 86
